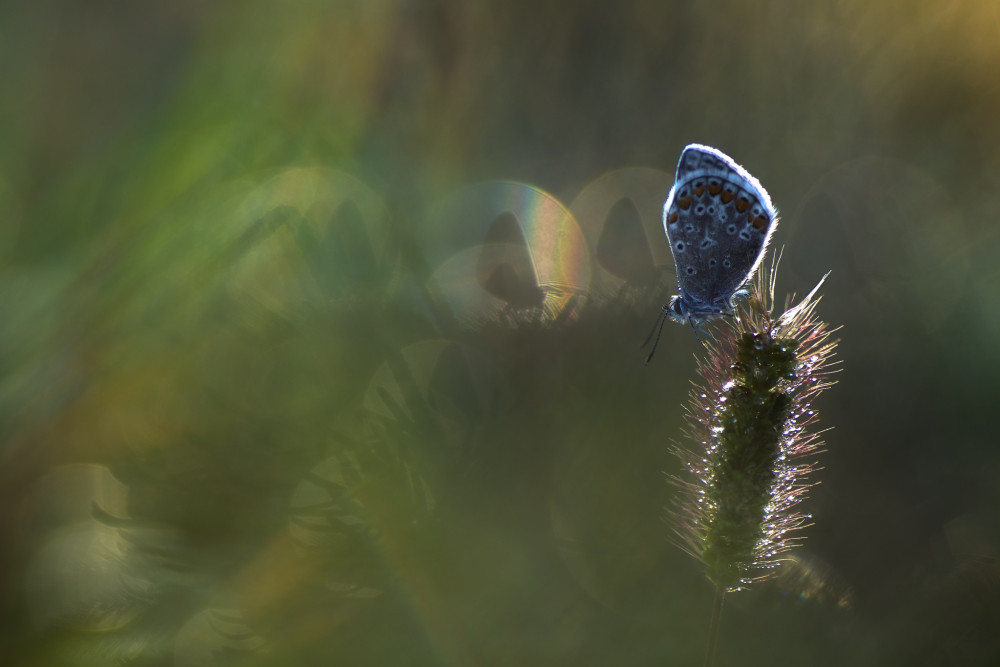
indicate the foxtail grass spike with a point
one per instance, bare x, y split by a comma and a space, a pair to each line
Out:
751, 443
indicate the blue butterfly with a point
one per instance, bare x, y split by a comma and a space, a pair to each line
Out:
718, 220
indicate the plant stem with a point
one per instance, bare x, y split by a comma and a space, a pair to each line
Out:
713, 628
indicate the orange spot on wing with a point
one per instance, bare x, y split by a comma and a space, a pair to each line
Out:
714, 188
742, 204
672, 218
684, 203
727, 197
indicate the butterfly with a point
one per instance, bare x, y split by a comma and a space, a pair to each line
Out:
718, 220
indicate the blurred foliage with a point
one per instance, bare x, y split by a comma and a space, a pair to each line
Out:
319, 327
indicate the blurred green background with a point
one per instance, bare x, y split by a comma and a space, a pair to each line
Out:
319, 328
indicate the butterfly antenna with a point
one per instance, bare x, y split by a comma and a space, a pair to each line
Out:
658, 328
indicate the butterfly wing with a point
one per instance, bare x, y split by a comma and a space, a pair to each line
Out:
718, 220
